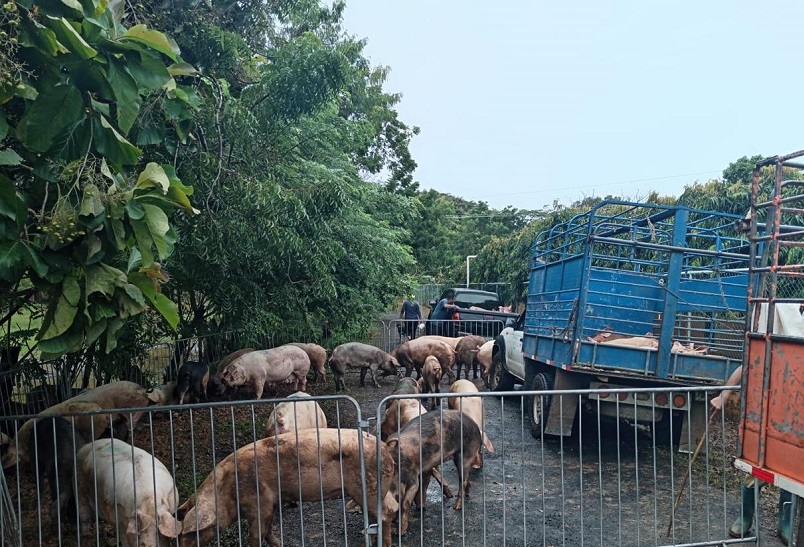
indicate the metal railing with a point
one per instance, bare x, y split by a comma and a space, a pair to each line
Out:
613, 482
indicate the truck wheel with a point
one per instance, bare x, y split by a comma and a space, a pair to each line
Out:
501, 379
537, 406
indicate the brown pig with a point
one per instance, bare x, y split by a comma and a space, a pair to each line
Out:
431, 377
466, 353
362, 356
412, 354
407, 386
472, 407
116, 395
259, 369
484, 358
449, 340
422, 445
397, 414
318, 358
290, 416
304, 477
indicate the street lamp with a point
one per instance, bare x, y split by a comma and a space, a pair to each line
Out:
467, 268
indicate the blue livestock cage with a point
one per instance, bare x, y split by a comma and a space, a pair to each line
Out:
663, 287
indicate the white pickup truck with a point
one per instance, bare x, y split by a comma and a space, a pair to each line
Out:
507, 363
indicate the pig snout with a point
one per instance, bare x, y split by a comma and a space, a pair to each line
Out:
389, 367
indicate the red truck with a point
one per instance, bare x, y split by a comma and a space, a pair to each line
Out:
772, 406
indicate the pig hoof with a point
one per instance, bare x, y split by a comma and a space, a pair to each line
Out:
458, 504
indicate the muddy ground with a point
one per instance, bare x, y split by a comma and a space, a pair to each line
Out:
606, 485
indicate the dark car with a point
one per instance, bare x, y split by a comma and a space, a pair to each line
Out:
487, 321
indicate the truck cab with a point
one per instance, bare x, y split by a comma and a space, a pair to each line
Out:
507, 362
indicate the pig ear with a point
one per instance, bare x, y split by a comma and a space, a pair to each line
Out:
153, 396
10, 457
139, 523
392, 443
168, 525
206, 518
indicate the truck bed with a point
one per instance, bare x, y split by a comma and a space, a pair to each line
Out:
648, 273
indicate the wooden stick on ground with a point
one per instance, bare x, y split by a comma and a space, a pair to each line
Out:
689, 468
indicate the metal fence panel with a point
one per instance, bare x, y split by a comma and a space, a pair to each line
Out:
218, 457
610, 483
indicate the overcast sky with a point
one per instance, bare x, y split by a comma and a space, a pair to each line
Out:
524, 102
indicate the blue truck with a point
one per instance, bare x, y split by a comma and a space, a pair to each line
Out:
629, 295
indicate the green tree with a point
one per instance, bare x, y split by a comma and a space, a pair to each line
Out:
84, 211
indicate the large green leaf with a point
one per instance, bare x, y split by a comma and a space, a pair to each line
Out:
66, 309
162, 303
103, 278
53, 111
182, 69
11, 205
70, 38
91, 204
40, 37
3, 125
147, 69
59, 345
95, 330
153, 39
158, 226
9, 157
126, 93
153, 176
144, 241
112, 144
72, 143
35, 261
112, 328
12, 260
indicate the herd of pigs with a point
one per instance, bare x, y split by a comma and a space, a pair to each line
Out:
91, 473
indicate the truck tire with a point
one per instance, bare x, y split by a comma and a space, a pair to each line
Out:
537, 406
501, 379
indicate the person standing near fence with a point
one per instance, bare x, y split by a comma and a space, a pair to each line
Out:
745, 521
411, 314
443, 312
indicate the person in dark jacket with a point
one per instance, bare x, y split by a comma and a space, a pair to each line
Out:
443, 312
411, 315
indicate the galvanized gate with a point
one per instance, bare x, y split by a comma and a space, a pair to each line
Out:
611, 482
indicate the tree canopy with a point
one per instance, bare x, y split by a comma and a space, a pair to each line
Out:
172, 169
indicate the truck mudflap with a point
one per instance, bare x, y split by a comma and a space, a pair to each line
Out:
563, 409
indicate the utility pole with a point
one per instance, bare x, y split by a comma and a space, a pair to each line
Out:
467, 268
